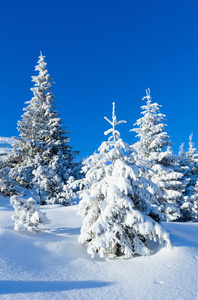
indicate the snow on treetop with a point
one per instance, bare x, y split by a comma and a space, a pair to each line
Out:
191, 150
148, 95
114, 122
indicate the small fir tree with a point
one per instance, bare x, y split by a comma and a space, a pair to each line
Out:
116, 202
27, 214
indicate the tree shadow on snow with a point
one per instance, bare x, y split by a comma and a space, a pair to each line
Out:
155, 247
14, 287
68, 231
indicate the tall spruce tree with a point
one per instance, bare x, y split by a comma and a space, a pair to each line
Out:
42, 153
116, 203
153, 147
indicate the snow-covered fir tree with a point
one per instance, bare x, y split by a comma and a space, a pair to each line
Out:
192, 159
116, 202
190, 206
169, 178
189, 159
42, 153
27, 215
151, 132
153, 147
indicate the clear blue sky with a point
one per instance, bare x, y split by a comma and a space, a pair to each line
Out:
98, 52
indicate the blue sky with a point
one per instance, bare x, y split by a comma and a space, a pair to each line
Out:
99, 52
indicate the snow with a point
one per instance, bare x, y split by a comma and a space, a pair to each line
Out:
6, 145
53, 265
7, 140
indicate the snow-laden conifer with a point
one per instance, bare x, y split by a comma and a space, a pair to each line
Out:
169, 178
189, 208
27, 215
153, 147
151, 132
192, 159
116, 203
42, 151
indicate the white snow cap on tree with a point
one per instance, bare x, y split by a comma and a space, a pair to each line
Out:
181, 152
116, 204
27, 214
191, 154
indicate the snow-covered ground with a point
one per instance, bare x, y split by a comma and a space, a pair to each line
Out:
52, 265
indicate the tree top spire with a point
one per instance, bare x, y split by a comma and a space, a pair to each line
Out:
41, 54
148, 95
114, 122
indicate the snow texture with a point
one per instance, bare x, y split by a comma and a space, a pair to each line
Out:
53, 265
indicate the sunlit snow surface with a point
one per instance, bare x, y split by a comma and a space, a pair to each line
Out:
52, 265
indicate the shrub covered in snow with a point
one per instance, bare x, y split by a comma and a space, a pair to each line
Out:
27, 214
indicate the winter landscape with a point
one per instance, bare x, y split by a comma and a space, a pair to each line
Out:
132, 235
110, 209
